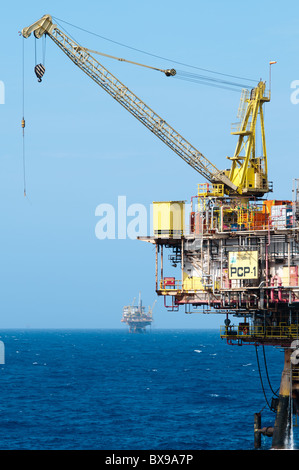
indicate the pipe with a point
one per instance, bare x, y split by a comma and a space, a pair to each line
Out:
267, 261
267, 431
279, 282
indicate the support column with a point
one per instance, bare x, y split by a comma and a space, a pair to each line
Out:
257, 429
281, 432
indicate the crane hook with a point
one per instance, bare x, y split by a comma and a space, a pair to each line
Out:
39, 71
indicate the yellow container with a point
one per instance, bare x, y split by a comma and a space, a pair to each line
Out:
168, 219
192, 283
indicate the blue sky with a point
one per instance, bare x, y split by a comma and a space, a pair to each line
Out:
82, 149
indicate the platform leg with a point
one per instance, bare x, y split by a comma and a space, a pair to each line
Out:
281, 433
257, 433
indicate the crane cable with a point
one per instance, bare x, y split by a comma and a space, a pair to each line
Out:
23, 109
192, 77
23, 103
211, 81
167, 72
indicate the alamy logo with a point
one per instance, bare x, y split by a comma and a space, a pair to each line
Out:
114, 222
2, 92
295, 93
132, 221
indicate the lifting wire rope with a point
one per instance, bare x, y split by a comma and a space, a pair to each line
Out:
180, 74
23, 119
39, 71
210, 81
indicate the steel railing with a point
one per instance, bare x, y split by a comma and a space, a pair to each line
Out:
269, 332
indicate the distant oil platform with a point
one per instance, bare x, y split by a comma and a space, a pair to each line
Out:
136, 317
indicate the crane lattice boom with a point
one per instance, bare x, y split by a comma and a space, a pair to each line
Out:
248, 175
121, 93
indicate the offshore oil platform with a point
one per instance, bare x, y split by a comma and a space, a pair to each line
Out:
136, 317
238, 253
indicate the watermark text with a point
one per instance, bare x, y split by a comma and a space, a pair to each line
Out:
295, 93
2, 92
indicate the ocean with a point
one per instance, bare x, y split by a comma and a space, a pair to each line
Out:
114, 390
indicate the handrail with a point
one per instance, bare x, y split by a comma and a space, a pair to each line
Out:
259, 331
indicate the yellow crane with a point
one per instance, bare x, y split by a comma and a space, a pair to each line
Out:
248, 174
